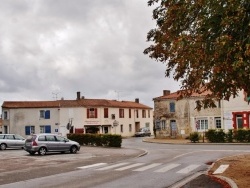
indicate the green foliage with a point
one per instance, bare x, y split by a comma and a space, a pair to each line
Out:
218, 136
194, 137
215, 135
242, 135
106, 140
205, 44
229, 136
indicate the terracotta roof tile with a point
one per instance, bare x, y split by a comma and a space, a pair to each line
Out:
74, 103
176, 94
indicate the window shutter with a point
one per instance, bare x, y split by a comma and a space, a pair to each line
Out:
47, 129
27, 130
95, 112
87, 112
47, 114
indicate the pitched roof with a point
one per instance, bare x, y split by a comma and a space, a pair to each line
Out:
177, 94
74, 103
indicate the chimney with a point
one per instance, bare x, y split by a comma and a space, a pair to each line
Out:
137, 100
166, 92
78, 94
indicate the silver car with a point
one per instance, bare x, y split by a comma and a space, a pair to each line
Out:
143, 132
11, 141
43, 143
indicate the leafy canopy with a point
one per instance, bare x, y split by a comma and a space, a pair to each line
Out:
205, 44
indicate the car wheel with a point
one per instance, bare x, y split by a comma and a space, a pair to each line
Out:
73, 149
3, 146
42, 151
32, 153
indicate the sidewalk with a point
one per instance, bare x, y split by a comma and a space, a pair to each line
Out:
205, 180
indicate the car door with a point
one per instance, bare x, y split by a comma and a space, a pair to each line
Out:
10, 140
63, 142
19, 141
52, 144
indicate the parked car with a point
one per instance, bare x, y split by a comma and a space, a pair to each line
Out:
143, 132
11, 141
43, 143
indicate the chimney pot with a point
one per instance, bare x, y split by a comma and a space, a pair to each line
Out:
137, 100
166, 92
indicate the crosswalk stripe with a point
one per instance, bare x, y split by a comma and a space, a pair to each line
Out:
188, 169
112, 166
130, 166
167, 168
147, 167
221, 169
93, 165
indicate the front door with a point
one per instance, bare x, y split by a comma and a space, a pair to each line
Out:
173, 128
239, 122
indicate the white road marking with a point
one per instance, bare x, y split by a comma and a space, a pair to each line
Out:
130, 166
188, 169
112, 166
167, 168
93, 165
147, 167
221, 169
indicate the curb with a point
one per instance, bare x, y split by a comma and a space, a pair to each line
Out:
228, 180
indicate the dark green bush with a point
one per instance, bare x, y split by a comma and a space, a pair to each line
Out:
217, 136
230, 136
107, 140
241, 135
194, 137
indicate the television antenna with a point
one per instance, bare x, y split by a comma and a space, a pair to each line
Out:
118, 94
55, 95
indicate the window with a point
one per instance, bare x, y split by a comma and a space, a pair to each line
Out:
121, 128
45, 114
147, 125
202, 124
130, 128
143, 113
172, 106
106, 112
163, 125
217, 122
45, 129
29, 129
92, 113
137, 113
121, 113
148, 113
5, 115
9, 137
50, 138
129, 113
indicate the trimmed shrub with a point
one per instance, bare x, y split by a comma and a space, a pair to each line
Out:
107, 140
230, 136
194, 137
213, 135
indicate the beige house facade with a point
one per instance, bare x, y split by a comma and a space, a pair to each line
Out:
178, 118
76, 116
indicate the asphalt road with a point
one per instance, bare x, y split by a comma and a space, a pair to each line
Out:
164, 165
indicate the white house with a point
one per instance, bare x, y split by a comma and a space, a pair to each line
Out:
76, 116
236, 112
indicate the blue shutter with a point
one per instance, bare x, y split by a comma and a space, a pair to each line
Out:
47, 129
47, 114
27, 130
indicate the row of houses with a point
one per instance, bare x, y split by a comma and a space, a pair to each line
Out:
179, 117
75, 116
170, 118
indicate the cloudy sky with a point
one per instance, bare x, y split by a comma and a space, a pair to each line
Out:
53, 48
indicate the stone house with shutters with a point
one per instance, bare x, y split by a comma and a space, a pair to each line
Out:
178, 118
76, 116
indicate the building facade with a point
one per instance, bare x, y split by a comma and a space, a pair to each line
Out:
76, 116
175, 118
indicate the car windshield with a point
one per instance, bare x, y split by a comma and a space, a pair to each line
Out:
141, 129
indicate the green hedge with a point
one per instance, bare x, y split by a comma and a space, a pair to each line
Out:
107, 140
219, 136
